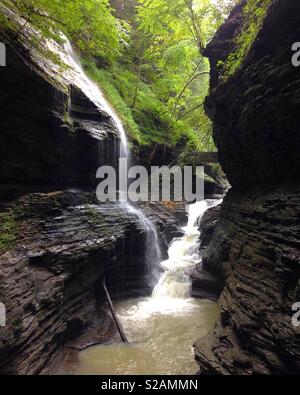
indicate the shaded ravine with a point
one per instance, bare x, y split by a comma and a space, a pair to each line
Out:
163, 327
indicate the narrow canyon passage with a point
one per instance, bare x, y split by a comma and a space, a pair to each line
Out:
112, 113
161, 328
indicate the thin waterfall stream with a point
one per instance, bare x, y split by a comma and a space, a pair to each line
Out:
93, 92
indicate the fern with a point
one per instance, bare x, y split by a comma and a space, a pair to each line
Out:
254, 13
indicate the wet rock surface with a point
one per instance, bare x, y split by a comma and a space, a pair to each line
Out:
63, 244
165, 220
54, 138
177, 210
208, 225
205, 282
255, 247
56, 241
256, 111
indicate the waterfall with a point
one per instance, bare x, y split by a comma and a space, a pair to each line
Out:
195, 213
153, 253
93, 92
183, 256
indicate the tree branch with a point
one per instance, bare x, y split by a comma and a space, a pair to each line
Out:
188, 112
185, 87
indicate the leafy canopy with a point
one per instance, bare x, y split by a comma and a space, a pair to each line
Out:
89, 23
145, 54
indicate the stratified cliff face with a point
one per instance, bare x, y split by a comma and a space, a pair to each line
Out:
54, 247
256, 113
256, 245
52, 135
56, 241
59, 246
63, 244
207, 283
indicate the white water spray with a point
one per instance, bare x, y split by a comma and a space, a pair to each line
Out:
183, 256
93, 92
164, 326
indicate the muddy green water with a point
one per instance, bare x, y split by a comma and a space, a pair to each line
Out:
162, 333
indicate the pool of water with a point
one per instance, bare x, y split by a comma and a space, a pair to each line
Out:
161, 334
161, 329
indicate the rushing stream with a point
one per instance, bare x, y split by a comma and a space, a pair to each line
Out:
163, 327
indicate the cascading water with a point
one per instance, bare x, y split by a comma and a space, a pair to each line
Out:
93, 92
183, 255
153, 253
163, 327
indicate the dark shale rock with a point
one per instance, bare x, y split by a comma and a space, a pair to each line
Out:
55, 247
262, 270
137, 279
208, 225
205, 283
165, 221
64, 243
177, 210
256, 112
52, 135
256, 244
223, 42
208, 248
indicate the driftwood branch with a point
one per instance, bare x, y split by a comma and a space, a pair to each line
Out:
114, 315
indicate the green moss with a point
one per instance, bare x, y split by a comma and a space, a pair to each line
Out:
9, 230
97, 219
107, 82
5, 22
146, 120
254, 13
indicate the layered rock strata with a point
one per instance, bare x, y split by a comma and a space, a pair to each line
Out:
256, 245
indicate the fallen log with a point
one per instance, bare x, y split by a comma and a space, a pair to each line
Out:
114, 315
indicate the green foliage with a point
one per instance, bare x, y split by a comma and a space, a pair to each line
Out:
90, 25
149, 121
254, 13
110, 81
170, 61
152, 68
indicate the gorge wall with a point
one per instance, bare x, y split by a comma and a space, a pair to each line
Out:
256, 245
56, 241
63, 244
54, 136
